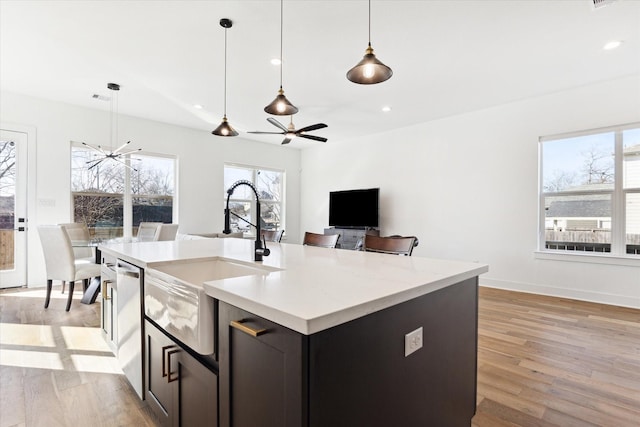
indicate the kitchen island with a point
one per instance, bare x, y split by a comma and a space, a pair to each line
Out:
321, 337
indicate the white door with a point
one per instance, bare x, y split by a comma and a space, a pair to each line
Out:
13, 209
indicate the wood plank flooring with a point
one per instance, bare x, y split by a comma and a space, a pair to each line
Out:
55, 368
542, 361
546, 361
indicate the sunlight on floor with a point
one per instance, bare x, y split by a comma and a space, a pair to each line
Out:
31, 335
84, 338
31, 359
56, 293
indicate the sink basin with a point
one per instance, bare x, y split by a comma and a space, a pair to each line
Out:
197, 272
175, 299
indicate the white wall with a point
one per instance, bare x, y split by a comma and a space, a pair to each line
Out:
200, 176
467, 186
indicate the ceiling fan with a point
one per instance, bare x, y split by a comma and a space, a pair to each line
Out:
290, 132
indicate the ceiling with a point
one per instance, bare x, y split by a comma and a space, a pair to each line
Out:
448, 57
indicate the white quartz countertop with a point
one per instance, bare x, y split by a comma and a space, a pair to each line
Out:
307, 289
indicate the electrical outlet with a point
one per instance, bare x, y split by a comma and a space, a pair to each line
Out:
412, 341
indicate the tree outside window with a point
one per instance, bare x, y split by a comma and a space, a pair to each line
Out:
98, 193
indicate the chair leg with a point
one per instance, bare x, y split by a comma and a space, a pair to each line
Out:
70, 297
85, 285
63, 283
48, 298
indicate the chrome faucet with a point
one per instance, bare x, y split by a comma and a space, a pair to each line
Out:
260, 248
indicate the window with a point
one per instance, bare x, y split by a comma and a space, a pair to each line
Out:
590, 191
270, 187
100, 197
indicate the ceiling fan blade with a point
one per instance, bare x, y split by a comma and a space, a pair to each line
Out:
267, 133
286, 141
312, 127
277, 124
313, 137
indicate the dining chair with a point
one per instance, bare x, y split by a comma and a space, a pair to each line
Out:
321, 240
166, 232
60, 261
272, 235
397, 245
83, 253
147, 231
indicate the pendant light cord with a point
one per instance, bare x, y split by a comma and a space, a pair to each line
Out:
281, 37
369, 22
225, 72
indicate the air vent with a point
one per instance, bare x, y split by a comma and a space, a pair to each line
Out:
100, 97
597, 4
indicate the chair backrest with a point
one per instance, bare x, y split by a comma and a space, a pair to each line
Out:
166, 232
79, 232
147, 231
58, 252
397, 245
272, 235
322, 240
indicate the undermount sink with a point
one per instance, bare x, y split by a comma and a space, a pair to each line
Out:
174, 297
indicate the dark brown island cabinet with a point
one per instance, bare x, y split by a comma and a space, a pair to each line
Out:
354, 374
179, 389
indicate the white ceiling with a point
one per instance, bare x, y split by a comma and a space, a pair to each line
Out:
448, 57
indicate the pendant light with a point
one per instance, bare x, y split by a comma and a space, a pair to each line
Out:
225, 129
118, 154
369, 70
281, 105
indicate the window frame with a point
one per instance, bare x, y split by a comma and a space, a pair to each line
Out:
254, 178
618, 195
127, 195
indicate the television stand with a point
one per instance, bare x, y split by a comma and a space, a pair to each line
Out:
349, 237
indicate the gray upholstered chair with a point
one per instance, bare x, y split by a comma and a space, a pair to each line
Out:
272, 235
166, 232
321, 240
60, 261
79, 232
147, 231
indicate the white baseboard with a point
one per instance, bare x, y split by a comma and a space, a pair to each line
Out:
577, 294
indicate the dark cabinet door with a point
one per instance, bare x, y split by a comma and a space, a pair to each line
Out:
158, 390
198, 393
262, 376
180, 390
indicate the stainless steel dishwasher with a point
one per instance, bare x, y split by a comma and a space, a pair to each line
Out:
130, 313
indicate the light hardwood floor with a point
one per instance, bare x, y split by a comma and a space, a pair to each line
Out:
542, 361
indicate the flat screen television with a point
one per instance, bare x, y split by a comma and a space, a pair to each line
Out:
354, 208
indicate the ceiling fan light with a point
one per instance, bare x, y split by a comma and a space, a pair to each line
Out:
370, 70
224, 129
281, 106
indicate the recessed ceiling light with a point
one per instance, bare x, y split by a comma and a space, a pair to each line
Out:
386, 108
198, 107
276, 61
612, 44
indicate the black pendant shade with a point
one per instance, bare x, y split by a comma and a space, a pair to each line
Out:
225, 129
369, 70
281, 105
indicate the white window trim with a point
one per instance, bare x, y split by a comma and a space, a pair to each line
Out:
617, 256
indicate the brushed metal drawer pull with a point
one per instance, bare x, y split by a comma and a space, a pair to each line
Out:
164, 359
105, 293
238, 324
169, 353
